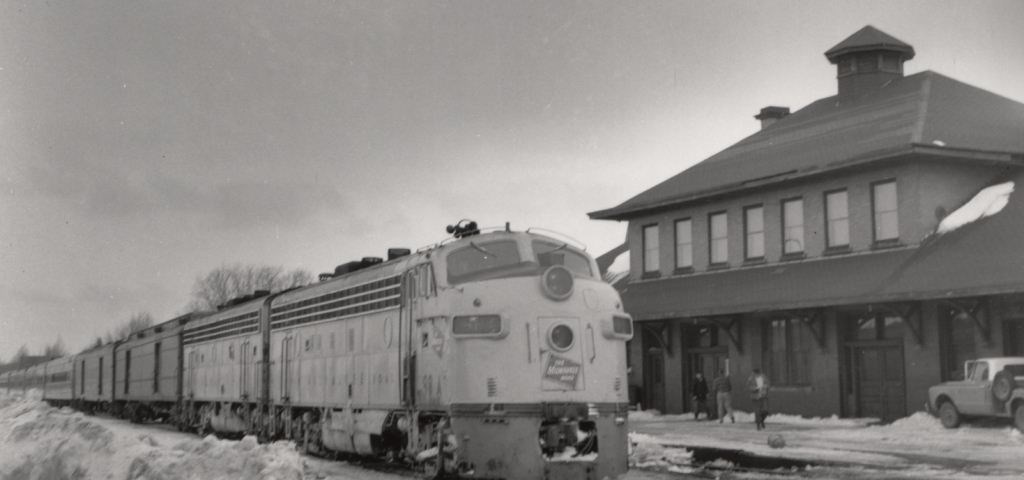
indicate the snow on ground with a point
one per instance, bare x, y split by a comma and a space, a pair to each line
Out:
39, 442
913, 447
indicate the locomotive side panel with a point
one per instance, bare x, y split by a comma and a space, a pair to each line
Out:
335, 344
434, 360
94, 374
147, 366
221, 355
223, 369
353, 361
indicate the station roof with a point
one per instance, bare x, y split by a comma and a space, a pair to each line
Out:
985, 257
926, 114
870, 39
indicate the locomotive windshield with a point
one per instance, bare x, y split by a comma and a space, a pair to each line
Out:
549, 253
502, 258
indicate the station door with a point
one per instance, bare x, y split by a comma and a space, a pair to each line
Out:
879, 382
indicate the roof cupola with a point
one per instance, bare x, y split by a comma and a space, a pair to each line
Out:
867, 60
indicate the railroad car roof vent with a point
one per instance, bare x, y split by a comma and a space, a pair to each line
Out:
394, 253
371, 261
347, 267
323, 277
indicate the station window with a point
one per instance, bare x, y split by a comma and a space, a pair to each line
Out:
885, 206
792, 226
837, 215
753, 226
684, 244
788, 344
650, 241
718, 233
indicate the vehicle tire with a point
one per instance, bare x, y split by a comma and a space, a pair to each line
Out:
949, 415
1002, 386
1018, 416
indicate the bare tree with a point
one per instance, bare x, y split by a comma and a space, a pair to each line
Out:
232, 281
138, 321
20, 355
55, 349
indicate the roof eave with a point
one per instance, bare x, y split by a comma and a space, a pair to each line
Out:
621, 214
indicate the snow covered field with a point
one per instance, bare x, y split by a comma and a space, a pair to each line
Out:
39, 442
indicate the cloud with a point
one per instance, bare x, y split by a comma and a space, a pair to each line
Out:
108, 193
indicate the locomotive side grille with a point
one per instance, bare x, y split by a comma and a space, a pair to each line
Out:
359, 300
236, 325
618, 384
492, 387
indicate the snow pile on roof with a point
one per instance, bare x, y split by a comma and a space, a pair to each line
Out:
41, 442
618, 270
989, 201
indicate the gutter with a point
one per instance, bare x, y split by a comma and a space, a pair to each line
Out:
897, 153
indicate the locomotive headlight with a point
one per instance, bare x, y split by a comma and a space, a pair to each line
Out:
478, 326
560, 337
619, 326
557, 282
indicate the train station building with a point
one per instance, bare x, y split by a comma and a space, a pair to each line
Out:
857, 250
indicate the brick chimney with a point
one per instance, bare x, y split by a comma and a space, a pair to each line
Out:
867, 60
770, 115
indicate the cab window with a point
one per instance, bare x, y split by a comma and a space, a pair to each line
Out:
550, 253
978, 371
478, 261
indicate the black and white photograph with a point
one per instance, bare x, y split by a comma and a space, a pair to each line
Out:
511, 239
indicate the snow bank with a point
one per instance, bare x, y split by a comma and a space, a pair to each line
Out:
989, 201
39, 442
745, 417
919, 422
646, 452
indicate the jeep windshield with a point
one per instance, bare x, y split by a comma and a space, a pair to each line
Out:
502, 258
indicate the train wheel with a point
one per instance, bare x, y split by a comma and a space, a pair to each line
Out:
435, 468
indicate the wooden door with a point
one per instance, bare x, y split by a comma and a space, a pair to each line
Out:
1013, 337
654, 380
881, 388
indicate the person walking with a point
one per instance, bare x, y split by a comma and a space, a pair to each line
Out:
722, 385
758, 386
700, 397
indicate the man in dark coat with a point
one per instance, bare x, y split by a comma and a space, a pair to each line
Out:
700, 397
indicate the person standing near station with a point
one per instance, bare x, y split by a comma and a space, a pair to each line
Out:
722, 385
700, 397
758, 386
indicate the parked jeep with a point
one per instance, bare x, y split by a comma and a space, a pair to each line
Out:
992, 387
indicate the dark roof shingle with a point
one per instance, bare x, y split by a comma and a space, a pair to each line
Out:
924, 109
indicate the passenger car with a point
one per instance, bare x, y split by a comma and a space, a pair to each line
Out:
992, 387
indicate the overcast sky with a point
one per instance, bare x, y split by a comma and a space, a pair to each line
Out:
143, 143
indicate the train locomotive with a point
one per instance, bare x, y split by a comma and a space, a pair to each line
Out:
494, 354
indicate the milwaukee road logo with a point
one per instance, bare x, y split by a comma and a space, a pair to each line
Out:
562, 370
